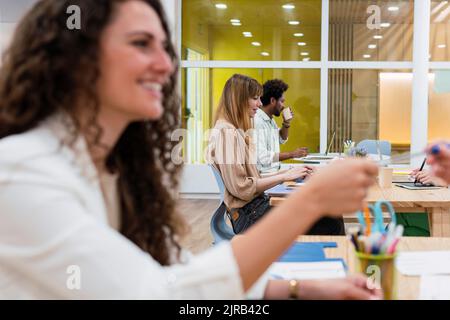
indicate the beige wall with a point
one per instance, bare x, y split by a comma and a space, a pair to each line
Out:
395, 109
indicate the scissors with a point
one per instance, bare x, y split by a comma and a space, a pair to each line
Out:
377, 212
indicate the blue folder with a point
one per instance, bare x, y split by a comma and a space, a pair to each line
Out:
309, 252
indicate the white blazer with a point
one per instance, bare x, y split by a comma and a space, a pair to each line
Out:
58, 240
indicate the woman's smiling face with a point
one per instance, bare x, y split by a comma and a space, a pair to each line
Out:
134, 64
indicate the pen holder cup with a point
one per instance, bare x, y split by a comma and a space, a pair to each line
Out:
380, 269
347, 150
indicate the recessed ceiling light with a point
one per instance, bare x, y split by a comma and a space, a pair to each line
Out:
442, 46
288, 6
378, 37
247, 34
256, 44
306, 59
236, 24
294, 23
301, 44
304, 53
298, 34
372, 46
385, 25
367, 56
265, 54
221, 6
393, 8
235, 21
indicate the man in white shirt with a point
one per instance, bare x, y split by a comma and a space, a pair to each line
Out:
268, 135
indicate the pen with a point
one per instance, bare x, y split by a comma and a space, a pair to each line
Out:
421, 168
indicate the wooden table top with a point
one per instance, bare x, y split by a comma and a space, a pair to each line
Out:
404, 198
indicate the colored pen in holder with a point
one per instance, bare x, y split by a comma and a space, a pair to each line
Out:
375, 248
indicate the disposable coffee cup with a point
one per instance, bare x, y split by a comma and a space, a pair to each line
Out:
287, 114
385, 177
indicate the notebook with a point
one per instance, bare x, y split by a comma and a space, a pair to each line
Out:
416, 186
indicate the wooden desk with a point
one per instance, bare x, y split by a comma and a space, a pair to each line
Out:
436, 203
408, 287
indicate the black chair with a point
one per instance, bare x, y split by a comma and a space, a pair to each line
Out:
219, 228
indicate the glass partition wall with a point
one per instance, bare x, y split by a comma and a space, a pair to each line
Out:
353, 66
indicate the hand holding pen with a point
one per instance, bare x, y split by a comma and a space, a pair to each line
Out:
421, 168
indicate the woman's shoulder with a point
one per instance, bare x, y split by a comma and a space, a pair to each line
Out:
223, 124
24, 146
39, 152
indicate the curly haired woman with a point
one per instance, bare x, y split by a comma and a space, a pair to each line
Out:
86, 179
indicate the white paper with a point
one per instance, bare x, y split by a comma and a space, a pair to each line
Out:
435, 287
417, 263
307, 270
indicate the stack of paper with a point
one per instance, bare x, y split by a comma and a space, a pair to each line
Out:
307, 270
435, 287
423, 262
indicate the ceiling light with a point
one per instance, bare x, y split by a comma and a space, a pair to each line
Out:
367, 56
442, 46
221, 6
288, 6
265, 54
393, 8
372, 46
256, 44
235, 21
298, 34
306, 59
385, 25
301, 44
236, 24
294, 23
247, 34
378, 37
304, 53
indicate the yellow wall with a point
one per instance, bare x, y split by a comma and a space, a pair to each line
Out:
395, 109
195, 34
303, 96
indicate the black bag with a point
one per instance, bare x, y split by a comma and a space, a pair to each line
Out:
243, 218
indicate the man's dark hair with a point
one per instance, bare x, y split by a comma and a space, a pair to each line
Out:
273, 89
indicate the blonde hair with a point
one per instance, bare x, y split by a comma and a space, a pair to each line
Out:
233, 104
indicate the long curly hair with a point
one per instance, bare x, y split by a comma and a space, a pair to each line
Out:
48, 67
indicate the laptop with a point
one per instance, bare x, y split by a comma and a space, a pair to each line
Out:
321, 156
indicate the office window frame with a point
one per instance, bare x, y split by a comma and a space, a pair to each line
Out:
420, 66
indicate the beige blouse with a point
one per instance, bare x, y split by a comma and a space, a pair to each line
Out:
236, 161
